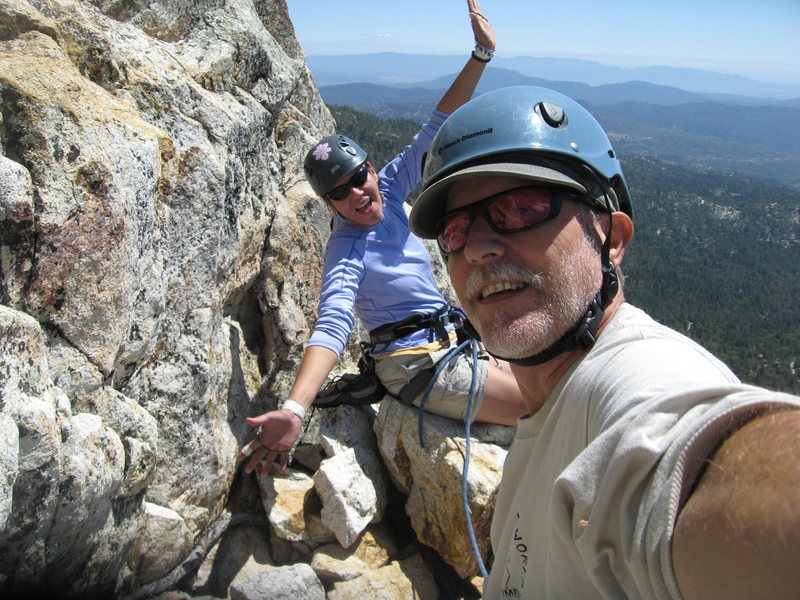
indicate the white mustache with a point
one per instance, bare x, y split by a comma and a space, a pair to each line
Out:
505, 271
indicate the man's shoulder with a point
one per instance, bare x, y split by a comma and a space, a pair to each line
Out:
635, 347
630, 324
629, 315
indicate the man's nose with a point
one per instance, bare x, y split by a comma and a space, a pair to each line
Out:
483, 242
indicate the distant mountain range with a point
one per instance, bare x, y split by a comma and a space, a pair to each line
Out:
396, 69
757, 137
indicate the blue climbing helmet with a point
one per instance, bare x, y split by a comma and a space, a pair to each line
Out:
524, 131
536, 134
331, 159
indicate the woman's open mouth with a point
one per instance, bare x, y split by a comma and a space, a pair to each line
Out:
365, 205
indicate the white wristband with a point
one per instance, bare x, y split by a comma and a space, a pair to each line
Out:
482, 53
295, 407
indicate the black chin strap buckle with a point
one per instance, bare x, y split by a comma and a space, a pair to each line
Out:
585, 334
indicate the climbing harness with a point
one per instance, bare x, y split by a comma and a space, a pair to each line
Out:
365, 387
436, 323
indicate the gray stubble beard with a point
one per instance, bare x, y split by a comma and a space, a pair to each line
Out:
540, 327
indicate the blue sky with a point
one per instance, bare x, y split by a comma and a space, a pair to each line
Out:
757, 38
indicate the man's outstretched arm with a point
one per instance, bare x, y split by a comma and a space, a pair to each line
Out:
739, 534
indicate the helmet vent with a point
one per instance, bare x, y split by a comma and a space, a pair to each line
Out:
552, 114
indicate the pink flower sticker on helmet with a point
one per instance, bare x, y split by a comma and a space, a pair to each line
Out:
322, 152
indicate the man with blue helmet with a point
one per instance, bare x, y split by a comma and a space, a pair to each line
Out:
645, 468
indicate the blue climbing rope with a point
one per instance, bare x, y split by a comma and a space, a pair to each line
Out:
452, 354
446, 359
464, 474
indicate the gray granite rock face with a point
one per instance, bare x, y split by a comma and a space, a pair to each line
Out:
159, 254
160, 258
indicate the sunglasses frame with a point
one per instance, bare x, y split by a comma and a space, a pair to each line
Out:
358, 179
481, 207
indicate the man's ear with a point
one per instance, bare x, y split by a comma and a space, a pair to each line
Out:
621, 235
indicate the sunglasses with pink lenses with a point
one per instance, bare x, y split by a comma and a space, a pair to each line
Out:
510, 211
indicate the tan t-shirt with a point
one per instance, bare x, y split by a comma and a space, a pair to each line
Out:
593, 482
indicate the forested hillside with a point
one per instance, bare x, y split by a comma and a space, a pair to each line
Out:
716, 257
715, 254
381, 138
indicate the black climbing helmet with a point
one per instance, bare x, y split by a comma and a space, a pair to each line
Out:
330, 160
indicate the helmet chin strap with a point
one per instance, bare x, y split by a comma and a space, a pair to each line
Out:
584, 333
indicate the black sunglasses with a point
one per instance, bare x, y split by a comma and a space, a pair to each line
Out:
510, 211
357, 180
